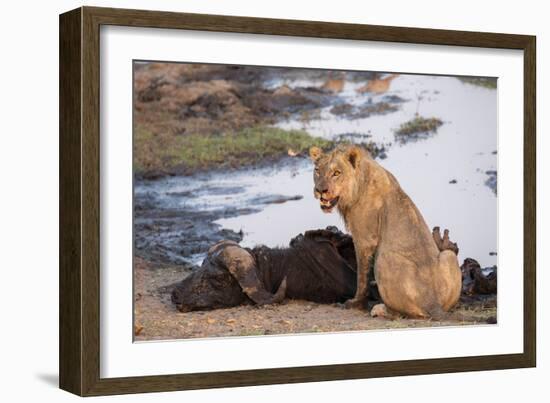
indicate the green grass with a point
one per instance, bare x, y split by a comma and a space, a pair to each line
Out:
189, 153
418, 125
485, 82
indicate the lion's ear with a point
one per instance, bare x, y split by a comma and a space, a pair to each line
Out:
315, 153
354, 156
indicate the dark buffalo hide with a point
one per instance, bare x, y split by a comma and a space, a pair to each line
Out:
317, 266
474, 281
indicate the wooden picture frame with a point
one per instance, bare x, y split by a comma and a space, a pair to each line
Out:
79, 347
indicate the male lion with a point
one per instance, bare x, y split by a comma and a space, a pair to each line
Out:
417, 272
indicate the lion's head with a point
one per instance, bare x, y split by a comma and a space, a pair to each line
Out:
337, 176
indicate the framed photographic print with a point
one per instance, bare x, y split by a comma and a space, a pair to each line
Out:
249, 201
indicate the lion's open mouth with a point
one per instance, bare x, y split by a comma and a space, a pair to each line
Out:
328, 204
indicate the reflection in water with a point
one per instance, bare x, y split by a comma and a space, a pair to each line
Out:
378, 85
335, 82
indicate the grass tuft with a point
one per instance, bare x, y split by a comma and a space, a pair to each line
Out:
418, 125
188, 153
485, 82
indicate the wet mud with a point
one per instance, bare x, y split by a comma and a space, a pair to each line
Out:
169, 232
491, 181
184, 98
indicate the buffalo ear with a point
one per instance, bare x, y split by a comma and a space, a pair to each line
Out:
354, 156
315, 153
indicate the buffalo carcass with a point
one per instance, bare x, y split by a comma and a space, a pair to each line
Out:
317, 266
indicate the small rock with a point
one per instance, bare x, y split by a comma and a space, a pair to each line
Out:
453, 181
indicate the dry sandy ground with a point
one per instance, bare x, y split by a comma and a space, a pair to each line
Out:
157, 319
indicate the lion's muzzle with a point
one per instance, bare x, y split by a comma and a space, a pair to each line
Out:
327, 204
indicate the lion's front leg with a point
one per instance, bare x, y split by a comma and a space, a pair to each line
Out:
363, 256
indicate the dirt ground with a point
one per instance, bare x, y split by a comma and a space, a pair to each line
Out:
156, 318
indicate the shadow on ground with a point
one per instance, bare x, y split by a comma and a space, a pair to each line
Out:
49, 379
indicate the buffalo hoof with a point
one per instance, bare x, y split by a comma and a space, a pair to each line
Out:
444, 243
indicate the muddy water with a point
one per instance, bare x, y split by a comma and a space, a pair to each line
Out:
462, 150
272, 204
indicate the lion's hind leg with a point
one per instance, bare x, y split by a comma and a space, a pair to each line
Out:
448, 279
402, 287
447, 276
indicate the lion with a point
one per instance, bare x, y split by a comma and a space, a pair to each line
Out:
416, 271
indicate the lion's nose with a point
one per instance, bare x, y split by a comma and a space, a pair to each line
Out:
321, 191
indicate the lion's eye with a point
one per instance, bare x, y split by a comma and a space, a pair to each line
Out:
336, 173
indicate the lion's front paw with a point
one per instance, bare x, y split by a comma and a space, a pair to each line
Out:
355, 303
379, 311
382, 311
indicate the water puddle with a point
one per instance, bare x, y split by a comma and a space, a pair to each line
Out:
445, 174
